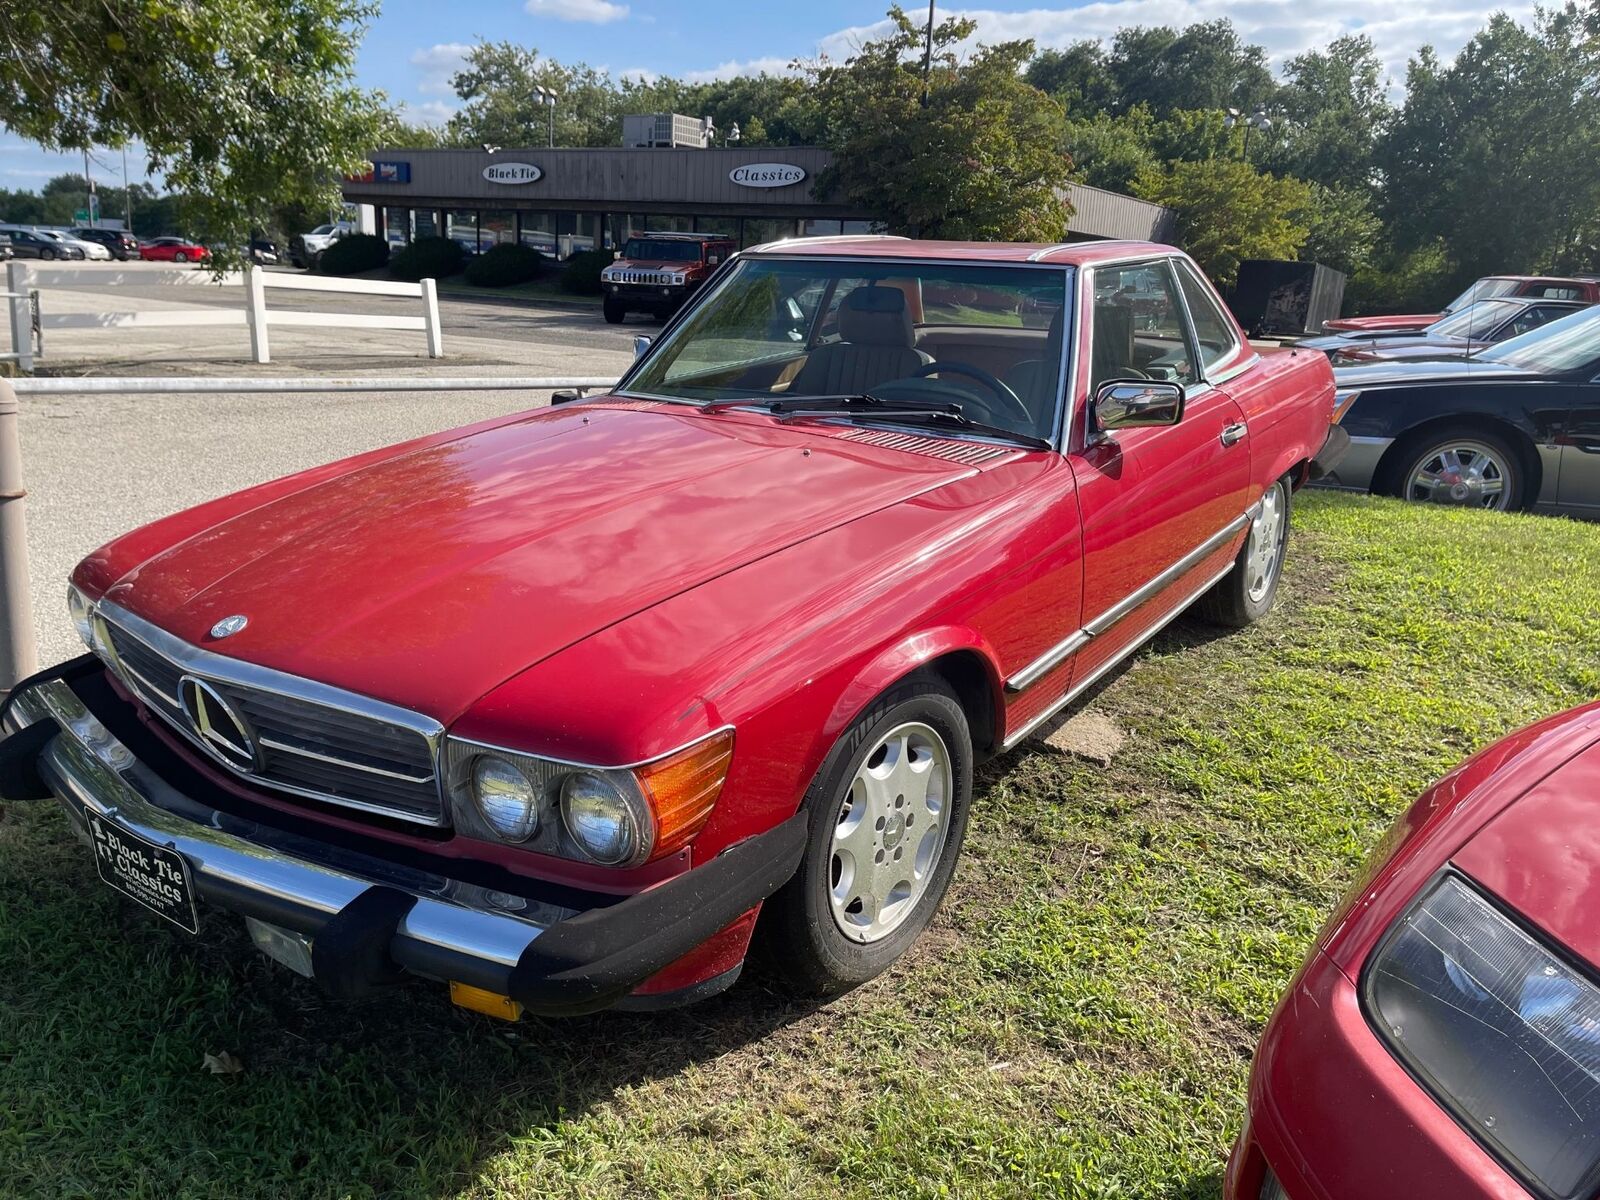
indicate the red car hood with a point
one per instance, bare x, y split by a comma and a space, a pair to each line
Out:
1378, 324
1542, 855
429, 577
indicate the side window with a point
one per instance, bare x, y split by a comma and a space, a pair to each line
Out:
1531, 318
1212, 329
1138, 327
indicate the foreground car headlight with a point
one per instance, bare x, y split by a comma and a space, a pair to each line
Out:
614, 816
506, 798
81, 610
1505, 1033
603, 819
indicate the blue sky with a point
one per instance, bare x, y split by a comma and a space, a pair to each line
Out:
412, 47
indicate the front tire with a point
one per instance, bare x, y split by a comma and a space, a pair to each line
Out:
180, 256
47, 255
613, 312
1245, 594
888, 813
1459, 465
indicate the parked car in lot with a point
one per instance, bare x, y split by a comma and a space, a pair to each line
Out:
173, 249
92, 250
1460, 335
1535, 287
552, 706
657, 272
1442, 1040
263, 252
32, 243
1514, 427
306, 248
6, 253
118, 244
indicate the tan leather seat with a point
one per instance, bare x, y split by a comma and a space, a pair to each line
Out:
1111, 347
876, 344
1034, 379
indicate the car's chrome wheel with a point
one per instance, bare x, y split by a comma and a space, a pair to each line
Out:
1265, 547
889, 832
1462, 472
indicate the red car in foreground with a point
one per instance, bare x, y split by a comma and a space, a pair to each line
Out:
552, 707
1535, 287
173, 249
1443, 1040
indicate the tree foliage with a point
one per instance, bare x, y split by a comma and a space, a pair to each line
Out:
980, 160
1228, 211
242, 104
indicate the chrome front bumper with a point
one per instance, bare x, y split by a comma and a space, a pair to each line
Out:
362, 918
452, 931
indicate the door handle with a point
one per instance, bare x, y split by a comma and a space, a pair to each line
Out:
1234, 433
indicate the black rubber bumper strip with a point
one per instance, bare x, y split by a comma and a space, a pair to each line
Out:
1334, 447
73, 668
590, 961
19, 762
350, 954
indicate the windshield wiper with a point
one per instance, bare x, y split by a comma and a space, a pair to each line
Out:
910, 414
781, 404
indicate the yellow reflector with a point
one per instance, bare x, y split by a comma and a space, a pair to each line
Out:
491, 1004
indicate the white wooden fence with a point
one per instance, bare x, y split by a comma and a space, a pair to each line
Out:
25, 278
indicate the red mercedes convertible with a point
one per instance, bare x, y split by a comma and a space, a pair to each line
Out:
561, 708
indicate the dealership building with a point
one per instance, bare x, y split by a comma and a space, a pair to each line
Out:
566, 200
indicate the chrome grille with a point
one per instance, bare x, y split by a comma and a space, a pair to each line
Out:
623, 275
313, 740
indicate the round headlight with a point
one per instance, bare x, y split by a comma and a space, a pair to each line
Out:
506, 799
79, 608
600, 818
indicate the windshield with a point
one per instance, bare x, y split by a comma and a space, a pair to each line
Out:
1475, 320
1481, 290
320, 229
1570, 344
661, 250
779, 329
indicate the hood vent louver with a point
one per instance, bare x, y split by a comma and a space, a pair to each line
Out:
969, 453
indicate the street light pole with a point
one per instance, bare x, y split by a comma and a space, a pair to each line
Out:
127, 196
88, 188
927, 55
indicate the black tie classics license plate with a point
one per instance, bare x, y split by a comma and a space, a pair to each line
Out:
156, 877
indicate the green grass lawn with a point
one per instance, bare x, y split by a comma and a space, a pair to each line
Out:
1078, 1022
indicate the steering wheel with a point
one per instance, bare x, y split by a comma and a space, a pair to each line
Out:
989, 381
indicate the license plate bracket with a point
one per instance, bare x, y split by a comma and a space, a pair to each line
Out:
151, 875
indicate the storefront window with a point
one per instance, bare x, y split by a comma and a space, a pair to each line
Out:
822, 228
767, 229
861, 227
497, 227
721, 226
537, 231
425, 223
462, 229
396, 226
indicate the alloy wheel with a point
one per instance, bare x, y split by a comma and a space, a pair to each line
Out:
1266, 544
1463, 473
890, 832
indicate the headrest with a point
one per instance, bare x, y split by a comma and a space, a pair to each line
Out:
876, 316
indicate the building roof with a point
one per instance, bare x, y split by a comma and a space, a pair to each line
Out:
873, 246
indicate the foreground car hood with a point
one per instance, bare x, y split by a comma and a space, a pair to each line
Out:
1542, 855
429, 577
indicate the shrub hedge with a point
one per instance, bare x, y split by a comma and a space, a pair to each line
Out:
582, 274
505, 265
353, 254
427, 258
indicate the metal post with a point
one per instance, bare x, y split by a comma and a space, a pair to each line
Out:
256, 311
21, 315
430, 318
19, 654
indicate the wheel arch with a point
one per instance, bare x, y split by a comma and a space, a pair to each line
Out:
957, 655
1519, 439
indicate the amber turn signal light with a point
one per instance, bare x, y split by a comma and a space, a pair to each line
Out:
683, 788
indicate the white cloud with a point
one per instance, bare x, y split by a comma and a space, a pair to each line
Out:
594, 12
437, 64
771, 65
638, 74
427, 112
1284, 27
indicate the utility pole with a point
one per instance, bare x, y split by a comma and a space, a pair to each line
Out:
927, 56
127, 196
88, 187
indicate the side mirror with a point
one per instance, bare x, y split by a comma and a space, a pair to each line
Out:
641, 343
1136, 404
616, 254
713, 259
566, 397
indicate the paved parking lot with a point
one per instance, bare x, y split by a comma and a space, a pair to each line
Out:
96, 466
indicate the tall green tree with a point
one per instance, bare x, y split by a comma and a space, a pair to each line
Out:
1497, 155
499, 82
1205, 66
1228, 211
1333, 107
980, 160
1077, 76
241, 104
